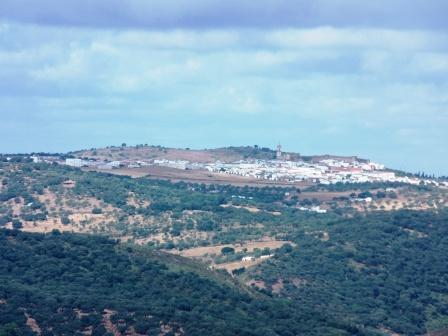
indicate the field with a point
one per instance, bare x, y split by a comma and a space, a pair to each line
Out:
208, 254
198, 252
195, 176
231, 266
324, 196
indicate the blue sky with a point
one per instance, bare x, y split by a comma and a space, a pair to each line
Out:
321, 76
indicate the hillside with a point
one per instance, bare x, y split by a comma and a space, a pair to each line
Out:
65, 284
379, 264
224, 154
145, 152
42, 197
249, 165
386, 270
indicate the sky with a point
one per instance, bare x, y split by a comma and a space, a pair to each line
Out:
343, 77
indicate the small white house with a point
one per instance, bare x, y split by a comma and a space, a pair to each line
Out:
74, 162
35, 159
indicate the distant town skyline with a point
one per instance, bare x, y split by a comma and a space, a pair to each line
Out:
322, 77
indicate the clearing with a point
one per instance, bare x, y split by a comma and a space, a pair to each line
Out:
198, 252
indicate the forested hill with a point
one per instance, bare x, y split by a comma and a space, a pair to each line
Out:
68, 284
373, 265
385, 270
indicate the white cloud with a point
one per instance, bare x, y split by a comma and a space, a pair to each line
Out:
329, 37
430, 62
267, 58
75, 67
4, 27
317, 82
177, 39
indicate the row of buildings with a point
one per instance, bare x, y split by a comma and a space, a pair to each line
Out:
324, 171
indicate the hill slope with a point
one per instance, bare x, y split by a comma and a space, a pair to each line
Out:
383, 269
224, 154
66, 284
386, 270
145, 152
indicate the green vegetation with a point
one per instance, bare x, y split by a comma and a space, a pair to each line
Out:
227, 250
71, 283
357, 263
173, 209
386, 269
253, 152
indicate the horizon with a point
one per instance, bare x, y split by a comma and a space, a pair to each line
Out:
273, 148
334, 77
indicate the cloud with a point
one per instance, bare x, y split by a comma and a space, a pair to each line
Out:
202, 14
388, 39
324, 89
178, 39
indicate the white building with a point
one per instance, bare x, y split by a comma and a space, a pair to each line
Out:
36, 159
178, 164
315, 209
74, 162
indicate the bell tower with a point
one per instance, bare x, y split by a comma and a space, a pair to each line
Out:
278, 154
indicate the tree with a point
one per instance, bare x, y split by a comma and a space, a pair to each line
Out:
97, 211
227, 250
238, 271
16, 224
9, 329
65, 220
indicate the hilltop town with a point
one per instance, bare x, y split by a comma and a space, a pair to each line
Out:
251, 164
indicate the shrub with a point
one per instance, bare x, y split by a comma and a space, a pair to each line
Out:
16, 224
227, 250
97, 211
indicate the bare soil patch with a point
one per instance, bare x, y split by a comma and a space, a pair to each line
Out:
323, 196
278, 286
416, 233
248, 208
322, 235
356, 265
257, 283
146, 153
196, 176
198, 252
31, 322
229, 267
79, 210
298, 282
108, 324
48, 226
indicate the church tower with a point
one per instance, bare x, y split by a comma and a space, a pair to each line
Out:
278, 154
